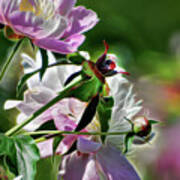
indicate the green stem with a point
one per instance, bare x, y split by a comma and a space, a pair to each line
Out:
53, 65
64, 93
57, 133
8, 61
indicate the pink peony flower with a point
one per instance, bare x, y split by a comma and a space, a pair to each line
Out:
45, 22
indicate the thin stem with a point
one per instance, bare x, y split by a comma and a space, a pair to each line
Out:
8, 61
57, 133
54, 64
64, 93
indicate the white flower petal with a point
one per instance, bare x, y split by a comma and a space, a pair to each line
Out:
124, 106
11, 104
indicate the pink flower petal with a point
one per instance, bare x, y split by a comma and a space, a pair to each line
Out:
26, 23
81, 20
69, 45
87, 146
115, 165
46, 148
65, 6
79, 167
66, 143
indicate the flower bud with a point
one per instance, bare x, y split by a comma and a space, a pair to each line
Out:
141, 126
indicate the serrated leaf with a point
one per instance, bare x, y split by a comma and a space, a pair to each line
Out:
22, 153
44, 62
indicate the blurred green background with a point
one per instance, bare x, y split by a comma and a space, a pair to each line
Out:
145, 35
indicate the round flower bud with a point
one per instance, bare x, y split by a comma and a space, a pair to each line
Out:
141, 126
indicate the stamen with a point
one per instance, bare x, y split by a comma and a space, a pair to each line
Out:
26, 6
42, 8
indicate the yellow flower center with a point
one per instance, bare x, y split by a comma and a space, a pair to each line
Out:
42, 8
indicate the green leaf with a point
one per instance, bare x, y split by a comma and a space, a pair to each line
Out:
23, 154
10, 58
56, 142
27, 155
48, 169
104, 112
44, 62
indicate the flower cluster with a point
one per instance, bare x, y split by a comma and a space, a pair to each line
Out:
82, 110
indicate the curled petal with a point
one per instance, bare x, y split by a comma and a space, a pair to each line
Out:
81, 20
69, 45
64, 6
11, 104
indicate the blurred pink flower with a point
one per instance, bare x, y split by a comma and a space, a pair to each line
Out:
168, 160
48, 21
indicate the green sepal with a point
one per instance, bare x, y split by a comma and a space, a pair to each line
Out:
86, 89
153, 122
87, 70
128, 141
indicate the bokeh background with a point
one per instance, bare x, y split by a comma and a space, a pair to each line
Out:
145, 35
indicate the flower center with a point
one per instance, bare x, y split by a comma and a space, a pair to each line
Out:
42, 8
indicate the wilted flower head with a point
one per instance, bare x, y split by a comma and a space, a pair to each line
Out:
45, 22
106, 64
